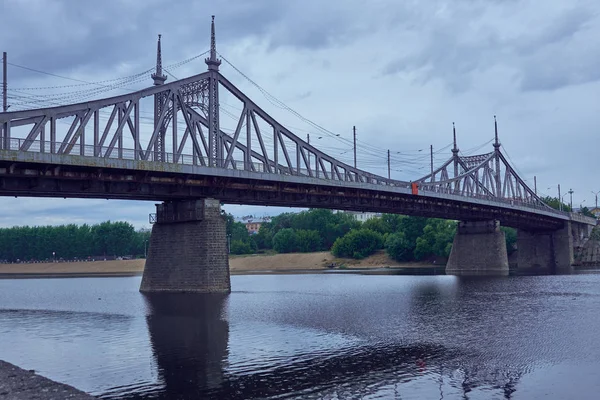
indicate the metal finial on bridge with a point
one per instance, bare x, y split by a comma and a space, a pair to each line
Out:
455, 148
158, 76
496, 142
213, 62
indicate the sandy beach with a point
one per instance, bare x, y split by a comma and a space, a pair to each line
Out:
247, 264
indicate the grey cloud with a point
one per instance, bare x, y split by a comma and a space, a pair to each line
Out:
438, 61
556, 54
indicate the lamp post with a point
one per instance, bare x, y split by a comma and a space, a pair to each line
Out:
571, 201
561, 201
596, 194
229, 243
145, 253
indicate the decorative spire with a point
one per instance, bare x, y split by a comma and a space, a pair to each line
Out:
455, 148
213, 62
158, 76
496, 142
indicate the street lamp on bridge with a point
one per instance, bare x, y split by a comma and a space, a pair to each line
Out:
571, 200
561, 201
596, 194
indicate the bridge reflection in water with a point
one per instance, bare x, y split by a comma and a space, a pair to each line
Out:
189, 336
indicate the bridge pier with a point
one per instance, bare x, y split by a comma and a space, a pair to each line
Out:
188, 249
545, 252
479, 248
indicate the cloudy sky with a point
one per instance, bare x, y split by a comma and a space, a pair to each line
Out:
400, 71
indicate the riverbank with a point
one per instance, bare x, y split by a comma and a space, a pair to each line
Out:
19, 384
247, 264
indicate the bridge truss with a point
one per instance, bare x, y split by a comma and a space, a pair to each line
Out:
179, 123
487, 175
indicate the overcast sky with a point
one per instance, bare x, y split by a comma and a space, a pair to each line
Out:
401, 71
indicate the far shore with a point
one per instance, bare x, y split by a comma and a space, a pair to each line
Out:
293, 263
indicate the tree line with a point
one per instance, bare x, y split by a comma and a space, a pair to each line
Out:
404, 238
69, 242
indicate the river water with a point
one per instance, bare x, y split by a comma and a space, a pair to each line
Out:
311, 337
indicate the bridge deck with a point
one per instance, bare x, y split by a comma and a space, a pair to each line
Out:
65, 175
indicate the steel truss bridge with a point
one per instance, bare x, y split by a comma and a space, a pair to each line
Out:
105, 149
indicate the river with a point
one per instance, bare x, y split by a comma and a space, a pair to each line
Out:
319, 336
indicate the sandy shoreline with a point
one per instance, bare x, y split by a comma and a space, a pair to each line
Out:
251, 264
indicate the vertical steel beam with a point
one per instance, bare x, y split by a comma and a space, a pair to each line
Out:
43, 139
354, 146
431, 161
174, 126
275, 150
497, 153
214, 142
248, 154
82, 133
53, 134
4, 82
120, 133
136, 131
96, 132
455, 159
299, 171
389, 167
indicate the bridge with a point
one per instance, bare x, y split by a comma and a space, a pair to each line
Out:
106, 149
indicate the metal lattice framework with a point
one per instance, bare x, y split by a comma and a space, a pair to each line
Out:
487, 175
112, 128
179, 122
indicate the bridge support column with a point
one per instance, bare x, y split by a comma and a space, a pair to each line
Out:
479, 248
188, 249
545, 252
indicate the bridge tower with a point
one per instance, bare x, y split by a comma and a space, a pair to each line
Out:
479, 246
455, 159
188, 245
159, 102
215, 156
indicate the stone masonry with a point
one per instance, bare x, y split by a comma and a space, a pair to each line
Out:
589, 253
546, 252
478, 249
188, 249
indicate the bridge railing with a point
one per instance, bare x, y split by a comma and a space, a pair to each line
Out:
91, 151
97, 152
513, 201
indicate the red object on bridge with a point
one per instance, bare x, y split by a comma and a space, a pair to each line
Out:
415, 188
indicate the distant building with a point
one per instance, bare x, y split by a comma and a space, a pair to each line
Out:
253, 223
595, 211
362, 216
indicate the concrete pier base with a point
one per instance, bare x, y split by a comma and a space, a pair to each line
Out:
479, 248
188, 249
545, 252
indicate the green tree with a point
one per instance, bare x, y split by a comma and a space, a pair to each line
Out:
285, 241
554, 202
398, 248
586, 211
308, 240
510, 236
240, 247
264, 237
358, 243
436, 240
378, 224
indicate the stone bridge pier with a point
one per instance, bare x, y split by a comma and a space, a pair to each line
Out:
479, 248
550, 252
188, 249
